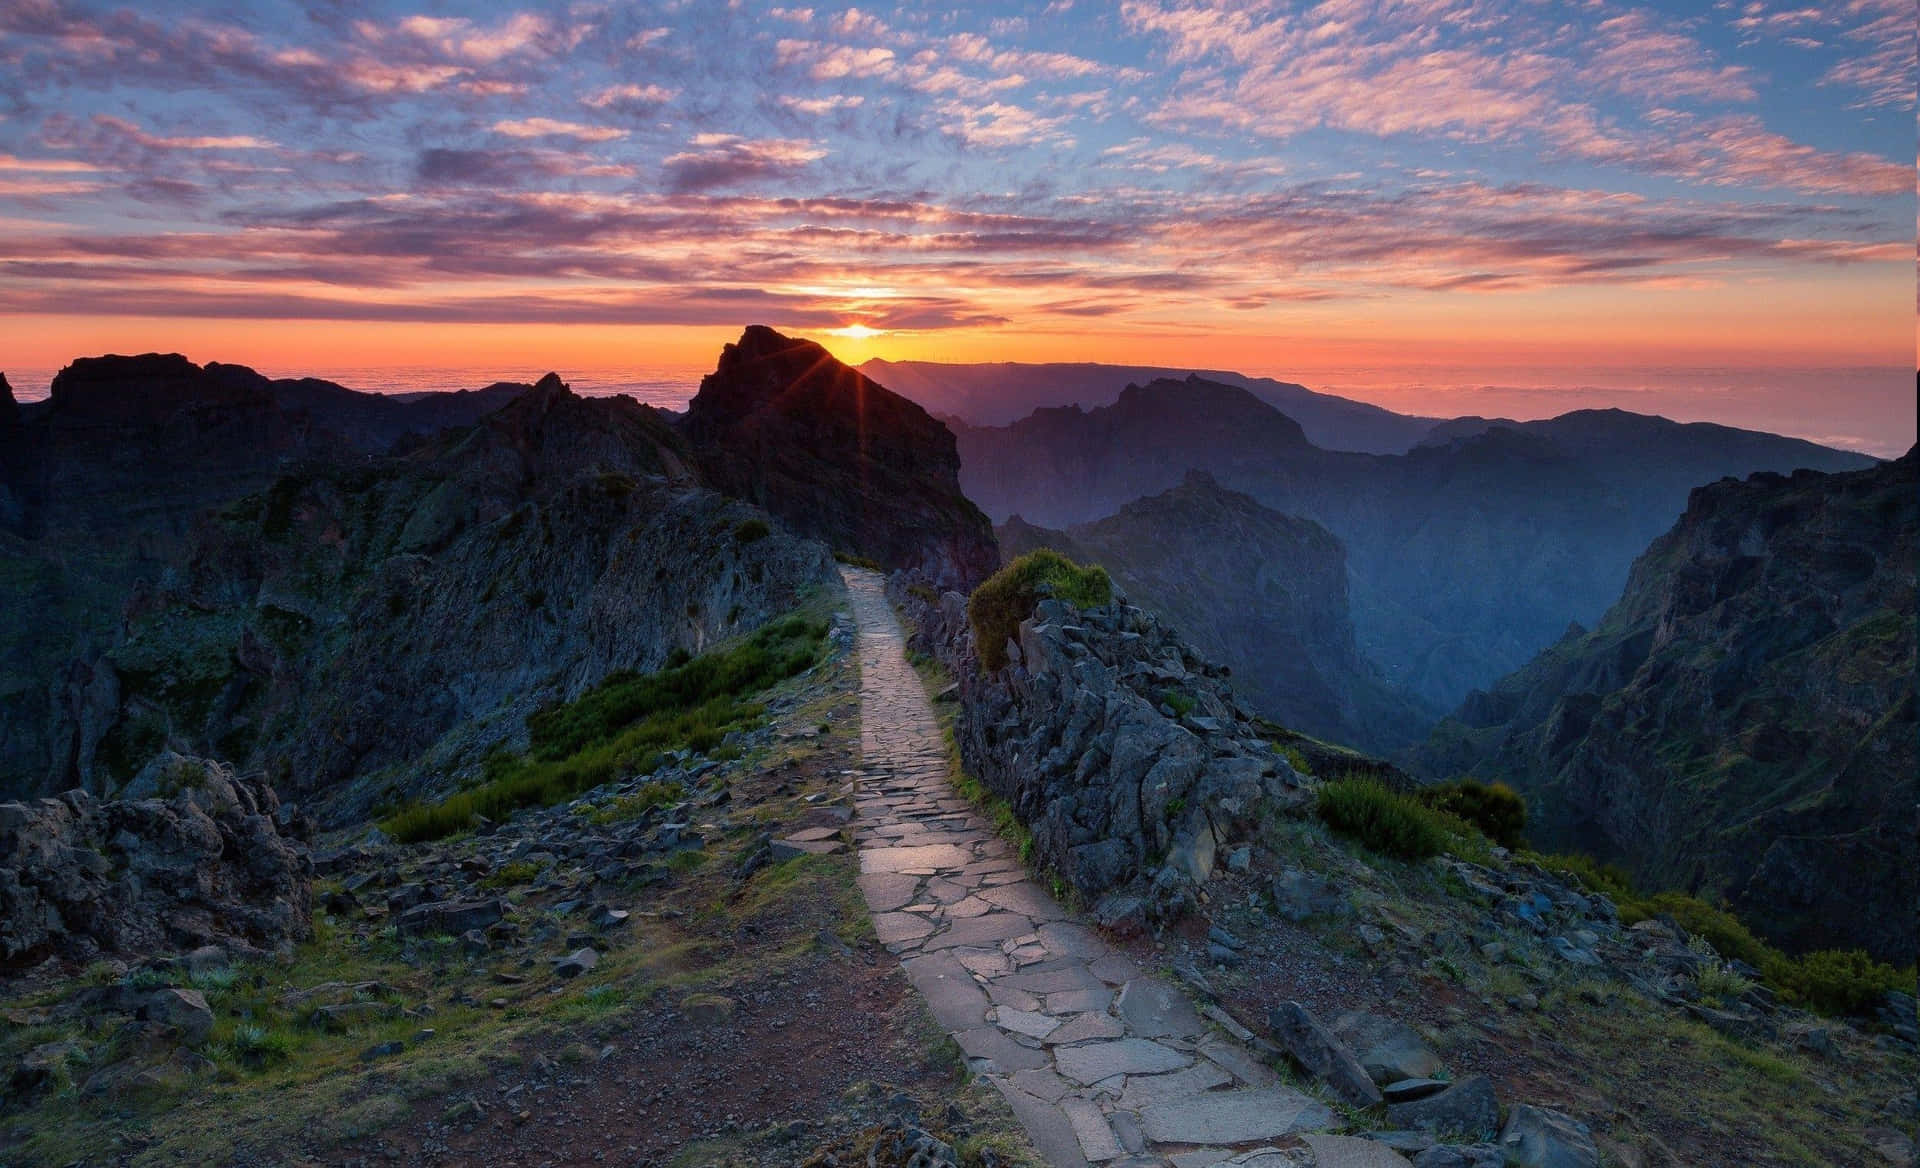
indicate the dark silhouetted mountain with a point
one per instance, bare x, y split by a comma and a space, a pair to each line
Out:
412, 608
1465, 558
783, 424
1262, 592
1741, 721
1003, 392
104, 486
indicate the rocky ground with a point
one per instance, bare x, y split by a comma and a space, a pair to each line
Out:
1502, 972
676, 970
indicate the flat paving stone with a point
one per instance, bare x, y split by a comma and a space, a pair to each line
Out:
956, 1002
1146, 1090
1090, 1127
1154, 1009
1125, 1056
930, 857
1025, 899
1085, 1028
894, 927
1234, 1117
1352, 1152
986, 1042
886, 891
1042, 1084
1027, 1022
975, 932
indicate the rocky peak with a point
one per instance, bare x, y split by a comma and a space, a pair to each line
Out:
142, 390
782, 423
9, 409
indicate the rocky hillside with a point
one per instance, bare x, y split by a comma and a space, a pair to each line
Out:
1261, 592
101, 486
784, 425
1465, 558
357, 617
1741, 721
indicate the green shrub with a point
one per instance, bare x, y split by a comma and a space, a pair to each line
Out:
1008, 596
751, 531
1181, 704
1835, 981
1389, 823
1496, 809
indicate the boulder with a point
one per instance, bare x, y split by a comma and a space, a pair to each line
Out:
197, 860
1390, 1050
1539, 1137
451, 917
184, 1010
1466, 1108
1309, 1043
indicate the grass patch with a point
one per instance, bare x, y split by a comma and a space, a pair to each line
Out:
659, 793
1008, 596
1181, 704
624, 726
1496, 809
1829, 981
751, 531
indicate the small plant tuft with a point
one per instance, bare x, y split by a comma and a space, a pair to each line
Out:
751, 531
1008, 596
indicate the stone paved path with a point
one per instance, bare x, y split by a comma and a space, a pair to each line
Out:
1102, 1062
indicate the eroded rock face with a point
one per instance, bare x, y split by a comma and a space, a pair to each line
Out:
837, 456
1125, 753
193, 857
1741, 722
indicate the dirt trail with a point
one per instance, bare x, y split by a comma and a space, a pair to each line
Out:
1103, 1062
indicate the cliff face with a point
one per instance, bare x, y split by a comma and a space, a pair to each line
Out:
1465, 557
784, 425
352, 618
1261, 592
1742, 719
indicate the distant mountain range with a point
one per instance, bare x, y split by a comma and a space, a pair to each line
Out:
1466, 556
1003, 392
1261, 592
1741, 720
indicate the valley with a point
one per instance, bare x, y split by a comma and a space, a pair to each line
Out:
512, 777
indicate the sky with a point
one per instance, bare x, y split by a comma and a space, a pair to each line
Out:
1684, 207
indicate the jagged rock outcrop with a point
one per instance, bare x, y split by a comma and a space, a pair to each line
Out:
1261, 592
188, 856
412, 610
1122, 750
784, 425
101, 486
1741, 722
1466, 557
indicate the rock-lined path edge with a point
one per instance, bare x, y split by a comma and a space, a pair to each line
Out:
1101, 1061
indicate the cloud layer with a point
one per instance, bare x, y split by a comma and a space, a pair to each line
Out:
1163, 162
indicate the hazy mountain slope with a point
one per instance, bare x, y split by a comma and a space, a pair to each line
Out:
1262, 592
1742, 719
1465, 558
999, 393
783, 424
412, 610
